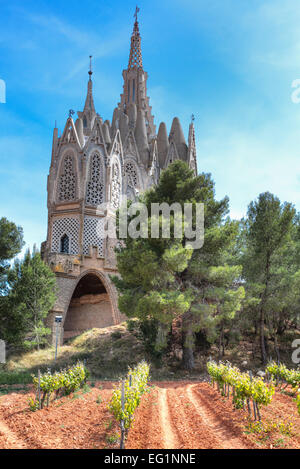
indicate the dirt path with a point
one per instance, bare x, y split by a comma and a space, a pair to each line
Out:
184, 416
169, 438
9, 438
224, 435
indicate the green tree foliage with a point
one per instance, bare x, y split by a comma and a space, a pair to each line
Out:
270, 258
163, 278
32, 294
215, 281
11, 242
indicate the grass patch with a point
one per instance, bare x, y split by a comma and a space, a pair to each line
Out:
106, 352
15, 377
9, 389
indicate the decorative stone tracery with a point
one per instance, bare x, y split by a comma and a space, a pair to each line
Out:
115, 186
67, 180
93, 234
95, 185
131, 172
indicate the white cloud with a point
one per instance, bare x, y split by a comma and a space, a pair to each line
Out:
244, 164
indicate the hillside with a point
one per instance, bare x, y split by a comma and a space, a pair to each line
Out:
108, 352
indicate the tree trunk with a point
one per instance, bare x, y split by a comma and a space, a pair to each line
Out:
161, 336
187, 342
255, 328
262, 338
221, 343
276, 348
188, 355
262, 313
281, 325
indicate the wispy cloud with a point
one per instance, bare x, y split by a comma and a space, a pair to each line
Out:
245, 164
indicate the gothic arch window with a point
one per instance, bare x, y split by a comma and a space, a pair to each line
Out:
67, 180
64, 244
95, 185
115, 185
84, 122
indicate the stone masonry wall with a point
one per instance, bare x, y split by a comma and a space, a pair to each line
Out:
87, 312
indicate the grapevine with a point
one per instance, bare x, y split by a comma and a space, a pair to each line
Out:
282, 374
243, 386
134, 386
61, 383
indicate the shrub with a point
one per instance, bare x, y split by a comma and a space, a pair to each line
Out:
244, 386
61, 382
282, 374
116, 335
135, 385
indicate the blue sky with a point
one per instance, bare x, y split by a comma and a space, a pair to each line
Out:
230, 63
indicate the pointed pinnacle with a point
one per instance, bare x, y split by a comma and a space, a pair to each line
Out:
90, 70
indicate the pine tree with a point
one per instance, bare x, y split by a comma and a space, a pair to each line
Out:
272, 286
215, 282
32, 295
164, 278
11, 242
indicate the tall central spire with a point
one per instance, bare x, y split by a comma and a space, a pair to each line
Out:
134, 99
135, 56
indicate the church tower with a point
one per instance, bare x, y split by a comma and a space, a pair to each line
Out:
95, 162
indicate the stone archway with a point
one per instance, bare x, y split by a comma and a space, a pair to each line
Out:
90, 307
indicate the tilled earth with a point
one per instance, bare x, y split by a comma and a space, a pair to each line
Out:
172, 415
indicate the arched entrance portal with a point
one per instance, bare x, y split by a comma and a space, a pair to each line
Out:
89, 307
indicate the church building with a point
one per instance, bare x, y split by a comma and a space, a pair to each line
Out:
94, 162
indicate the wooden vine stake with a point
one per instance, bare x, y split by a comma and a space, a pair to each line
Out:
122, 443
39, 388
258, 412
249, 408
254, 403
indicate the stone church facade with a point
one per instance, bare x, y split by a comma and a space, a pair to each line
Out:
94, 162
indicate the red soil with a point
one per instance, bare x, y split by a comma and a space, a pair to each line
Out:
171, 415
196, 416
79, 421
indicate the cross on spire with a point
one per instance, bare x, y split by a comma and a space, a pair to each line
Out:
136, 13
